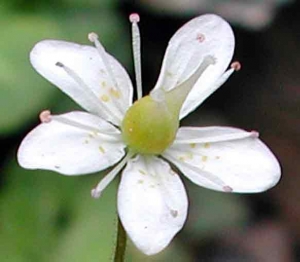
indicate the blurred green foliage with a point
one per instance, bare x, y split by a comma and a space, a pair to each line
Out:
21, 91
48, 217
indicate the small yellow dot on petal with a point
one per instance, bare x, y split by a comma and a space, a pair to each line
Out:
142, 172
193, 145
206, 145
204, 158
140, 181
105, 98
115, 93
96, 133
103, 84
102, 150
181, 158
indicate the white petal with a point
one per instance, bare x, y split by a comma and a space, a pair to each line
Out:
204, 36
97, 93
152, 203
72, 144
224, 159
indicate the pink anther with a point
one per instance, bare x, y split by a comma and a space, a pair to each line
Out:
227, 189
254, 134
45, 116
95, 193
236, 65
92, 37
134, 18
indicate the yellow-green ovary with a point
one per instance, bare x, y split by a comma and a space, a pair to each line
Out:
149, 127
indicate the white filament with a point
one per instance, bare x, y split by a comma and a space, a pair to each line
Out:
104, 133
206, 175
93, 37
136, 48
85, 89
96, 192
219, 138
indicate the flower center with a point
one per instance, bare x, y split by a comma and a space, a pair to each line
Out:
149, 127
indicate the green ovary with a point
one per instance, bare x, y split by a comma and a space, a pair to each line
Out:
149, 127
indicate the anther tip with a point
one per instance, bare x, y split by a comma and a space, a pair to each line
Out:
227, 189
45, 116
95, 193
92, 37
236, 65
134, 18
254, 134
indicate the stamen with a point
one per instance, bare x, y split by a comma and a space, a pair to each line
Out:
211, 89
208, 176
97, 191
109, 136
218, 138
45, 116
136, 47
88, 92
254, 134
134, 18
93, 37
236, 65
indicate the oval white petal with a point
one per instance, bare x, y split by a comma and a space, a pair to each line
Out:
152, 203
72, 144
243, 164
86, 63
202, 37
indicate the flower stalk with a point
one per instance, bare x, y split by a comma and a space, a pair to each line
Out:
121, 243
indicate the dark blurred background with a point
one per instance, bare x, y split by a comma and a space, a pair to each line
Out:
48, 217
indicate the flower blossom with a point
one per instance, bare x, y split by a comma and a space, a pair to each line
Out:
144, 138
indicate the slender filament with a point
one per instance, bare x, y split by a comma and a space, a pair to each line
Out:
93, 37
136, 48
89, 93
96, 192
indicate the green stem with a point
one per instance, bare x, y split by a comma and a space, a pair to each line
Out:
121, 243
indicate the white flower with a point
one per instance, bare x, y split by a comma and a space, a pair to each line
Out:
152, 201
